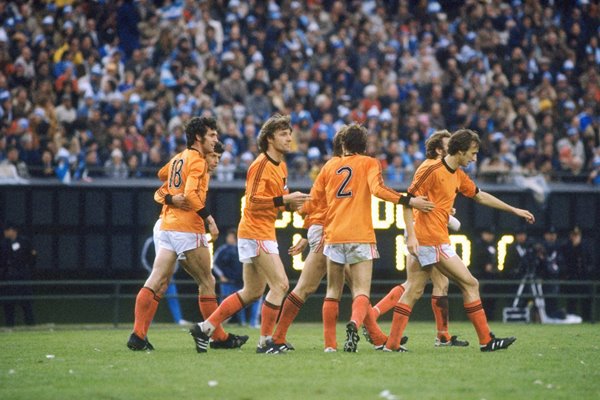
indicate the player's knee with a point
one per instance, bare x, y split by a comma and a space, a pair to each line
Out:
250, 297
304, 290
282, 287
441, 288
472, 284
414, 291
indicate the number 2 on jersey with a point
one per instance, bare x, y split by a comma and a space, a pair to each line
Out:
341, 192
175, 178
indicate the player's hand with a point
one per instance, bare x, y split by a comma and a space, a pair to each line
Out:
223, 279
180, 201
295, 200
213, 229
421, 203
453, 211
412, 245
298, 247
525, 214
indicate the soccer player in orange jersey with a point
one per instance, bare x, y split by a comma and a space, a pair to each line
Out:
436, 148
266, 194
182, 231
349, 183
428, 239
315, 267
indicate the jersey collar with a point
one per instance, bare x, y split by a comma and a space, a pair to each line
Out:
448, 167
270, 159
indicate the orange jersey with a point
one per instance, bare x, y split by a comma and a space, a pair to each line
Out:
315, 210
187, 174
440, 184
159, 195
266, 183
349, 183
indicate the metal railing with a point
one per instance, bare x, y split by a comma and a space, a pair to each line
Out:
115, 291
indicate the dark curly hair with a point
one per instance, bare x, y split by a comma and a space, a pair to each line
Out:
355, 139
198, 126
219, 148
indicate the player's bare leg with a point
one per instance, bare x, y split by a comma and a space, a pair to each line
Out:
146, 302
455, 269
440, 308
360, 285
415, 285
315, 268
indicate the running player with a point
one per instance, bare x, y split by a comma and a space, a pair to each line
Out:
436, 148
266, 194
182, 232
428, 238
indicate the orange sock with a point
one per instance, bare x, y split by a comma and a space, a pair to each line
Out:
331, 308
377, 335
208, 305
146, 303
268, 315
389, 300
439, 305
399, 322
289, 311
232, 304
477, 316
360, 308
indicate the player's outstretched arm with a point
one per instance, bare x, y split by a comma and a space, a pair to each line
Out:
492, 201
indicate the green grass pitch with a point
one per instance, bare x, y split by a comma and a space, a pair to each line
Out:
92, 362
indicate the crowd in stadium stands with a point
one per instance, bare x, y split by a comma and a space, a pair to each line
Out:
92, 89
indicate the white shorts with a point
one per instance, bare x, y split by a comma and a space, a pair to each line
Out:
180, 242
428, 255
351, 253
315, 238
156, 234
156, 239
249, 248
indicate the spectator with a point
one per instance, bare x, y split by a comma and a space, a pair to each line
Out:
17, 260
225, 171
524, 71
485, 267
550, 264
116, 167
578, 266
12, 159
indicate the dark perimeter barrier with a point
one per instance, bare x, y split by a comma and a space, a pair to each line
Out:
94, 233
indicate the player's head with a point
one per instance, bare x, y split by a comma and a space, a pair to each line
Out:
213, 158
274, 124
437, 144
197, 128
355, 139
462, 140
338, 141
463, 146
